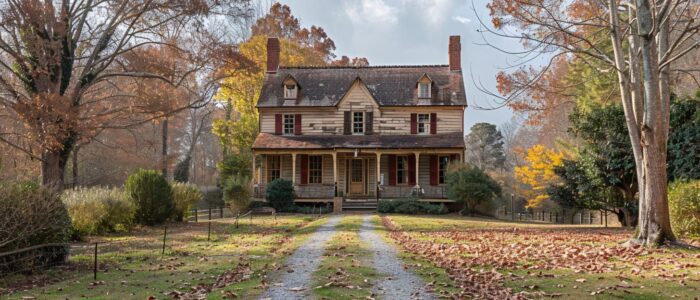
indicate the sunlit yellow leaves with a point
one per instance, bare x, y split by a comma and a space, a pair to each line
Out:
539, 173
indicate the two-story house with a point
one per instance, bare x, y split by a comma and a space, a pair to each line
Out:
359, 134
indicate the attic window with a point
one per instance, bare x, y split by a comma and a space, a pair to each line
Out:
424, 90
290, 91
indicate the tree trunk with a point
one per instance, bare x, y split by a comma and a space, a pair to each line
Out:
53, 166
164, 153
74, 178
654, 221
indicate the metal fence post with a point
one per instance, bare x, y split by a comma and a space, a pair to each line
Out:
209, 231
196, 214
221, 212
165, 233
94, 268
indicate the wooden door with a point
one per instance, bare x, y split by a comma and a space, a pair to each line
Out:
357, 177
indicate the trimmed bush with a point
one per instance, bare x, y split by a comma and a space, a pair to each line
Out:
410, 206
185, 197
151, 195
684, 206
237, 192
280, 194
98, 210
31, 216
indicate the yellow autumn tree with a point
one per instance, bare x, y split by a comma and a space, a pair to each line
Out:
539, 173
240, 92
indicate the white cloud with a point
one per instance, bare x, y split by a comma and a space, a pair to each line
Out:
463, 20
371, 11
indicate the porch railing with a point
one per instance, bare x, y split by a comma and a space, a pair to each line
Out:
303, 191
404, 191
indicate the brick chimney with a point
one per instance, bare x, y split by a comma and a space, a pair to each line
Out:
273, 55
455, 53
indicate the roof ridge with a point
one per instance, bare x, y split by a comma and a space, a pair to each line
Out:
362, 67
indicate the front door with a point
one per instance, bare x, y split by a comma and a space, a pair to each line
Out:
357, 177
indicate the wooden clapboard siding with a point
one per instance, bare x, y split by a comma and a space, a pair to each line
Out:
387, 120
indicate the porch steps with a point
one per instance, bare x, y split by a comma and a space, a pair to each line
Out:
360, 205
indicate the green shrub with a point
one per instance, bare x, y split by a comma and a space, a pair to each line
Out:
185, 197
31, 216
98, 210
151, 195
410, 206
684, 206
280, 194
237, 192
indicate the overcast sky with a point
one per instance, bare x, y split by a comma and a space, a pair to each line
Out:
408, 32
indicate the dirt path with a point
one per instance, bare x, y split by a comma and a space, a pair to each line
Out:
296, 274
397, 283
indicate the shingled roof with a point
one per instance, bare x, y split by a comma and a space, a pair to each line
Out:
278, 142
389, 85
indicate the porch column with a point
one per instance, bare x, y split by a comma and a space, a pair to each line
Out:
254, 178
294, 170
335, 173
417, 169
379, 174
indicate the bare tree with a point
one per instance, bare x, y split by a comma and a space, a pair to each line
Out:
70, 68
646, 38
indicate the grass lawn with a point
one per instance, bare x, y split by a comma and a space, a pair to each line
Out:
496, 259
346, 269
232, 264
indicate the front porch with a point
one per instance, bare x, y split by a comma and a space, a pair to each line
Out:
357, 175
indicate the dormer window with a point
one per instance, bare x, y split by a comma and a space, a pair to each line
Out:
424, 87
424, 90
290, 91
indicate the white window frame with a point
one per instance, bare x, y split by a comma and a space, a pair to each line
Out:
442, 168
361, 123
290, 93
272, 171
423, 123
312, 171
402, 173
424, 94
288, 130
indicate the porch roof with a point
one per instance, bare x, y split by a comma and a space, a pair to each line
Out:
266, 141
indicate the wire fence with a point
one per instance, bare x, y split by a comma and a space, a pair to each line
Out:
582, 217
40, 257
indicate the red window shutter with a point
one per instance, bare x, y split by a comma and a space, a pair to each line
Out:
278, 124
297, 124
414, 123
433, 123
392, 169
412, 169
433, 170
304, 168
346, 122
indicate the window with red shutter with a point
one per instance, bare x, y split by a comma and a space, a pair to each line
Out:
433, 170
392, 169
278, 124
414, 123
433, 123
304, 168
297, 124
412, 169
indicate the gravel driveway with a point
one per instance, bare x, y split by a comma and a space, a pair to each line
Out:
295, 275
397, 283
